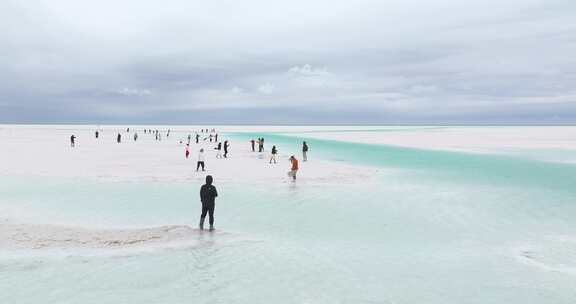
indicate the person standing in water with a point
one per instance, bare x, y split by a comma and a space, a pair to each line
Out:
197, 137
201, 159
253, 142
274, 152
96, 133
219, 150
208, 195
216, 137
187, 153
226, 145
72, 140
119, 138
135, 136
189, 137
293, 168
304, 151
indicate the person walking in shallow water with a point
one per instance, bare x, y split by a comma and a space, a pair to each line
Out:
72, 140
293, 168
208, 195
119, 138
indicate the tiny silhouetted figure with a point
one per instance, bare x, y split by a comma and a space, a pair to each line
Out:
96, 134
189, 137
72, 140
252, 141
274, 152
208, 195
119, 138
218, 150
304, 151
293, 168
127, 129
197, 137
168, 133
226, 145
211, 136
187, 153
216, 137
201, 159
135, 136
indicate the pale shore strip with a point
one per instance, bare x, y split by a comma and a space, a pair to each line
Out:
41, 236
463, 139
44, 151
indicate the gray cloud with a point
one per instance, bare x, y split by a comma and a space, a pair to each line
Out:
362, 61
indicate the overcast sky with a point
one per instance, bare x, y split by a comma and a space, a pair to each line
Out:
288, 62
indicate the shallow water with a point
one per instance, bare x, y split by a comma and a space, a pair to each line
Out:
437, 227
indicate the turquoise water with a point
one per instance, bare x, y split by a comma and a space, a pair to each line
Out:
485, 169
436, 227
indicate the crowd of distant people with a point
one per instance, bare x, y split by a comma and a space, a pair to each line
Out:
208, 191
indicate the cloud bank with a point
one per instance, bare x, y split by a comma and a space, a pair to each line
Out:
372, 62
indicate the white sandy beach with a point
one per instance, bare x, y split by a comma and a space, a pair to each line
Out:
466, 139
41, 151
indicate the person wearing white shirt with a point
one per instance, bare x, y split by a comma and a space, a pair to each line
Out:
200, 162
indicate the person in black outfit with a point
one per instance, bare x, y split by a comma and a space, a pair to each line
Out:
208, 194
273, 156
72, 140
253, 142
119, 138
304, 151
197, 137
226, 145
96, 133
